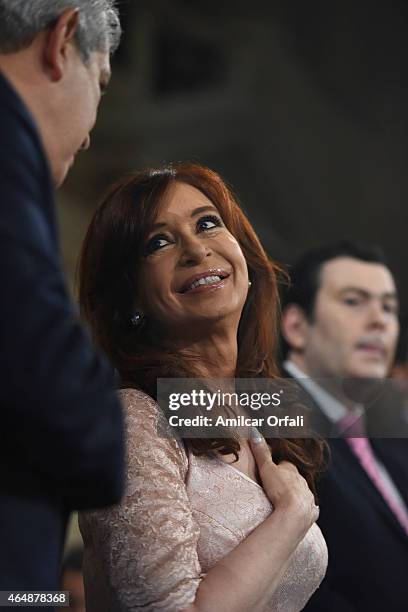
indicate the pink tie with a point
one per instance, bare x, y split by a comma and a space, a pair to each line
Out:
361, 447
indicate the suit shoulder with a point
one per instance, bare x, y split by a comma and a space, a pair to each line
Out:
21, 142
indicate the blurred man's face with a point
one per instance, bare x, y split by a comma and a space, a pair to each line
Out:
83, 86
355, 326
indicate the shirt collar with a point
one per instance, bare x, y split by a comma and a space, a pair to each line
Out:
332, 408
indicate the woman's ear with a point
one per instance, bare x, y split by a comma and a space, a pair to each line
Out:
294, 327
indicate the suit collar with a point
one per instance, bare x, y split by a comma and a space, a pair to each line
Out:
320, 425
21, 124
332, 408
11, 98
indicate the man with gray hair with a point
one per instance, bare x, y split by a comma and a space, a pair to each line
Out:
61, 435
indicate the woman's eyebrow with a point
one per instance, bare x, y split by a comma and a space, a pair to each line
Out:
201, 209
196, 211
158, 226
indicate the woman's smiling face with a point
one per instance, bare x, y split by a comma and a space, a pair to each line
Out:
193, 270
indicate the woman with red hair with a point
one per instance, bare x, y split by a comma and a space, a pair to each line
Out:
174, 283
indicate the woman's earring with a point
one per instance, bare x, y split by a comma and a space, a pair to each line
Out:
136, 319
249, 284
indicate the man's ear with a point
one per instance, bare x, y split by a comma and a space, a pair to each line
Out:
59, 40
294, 327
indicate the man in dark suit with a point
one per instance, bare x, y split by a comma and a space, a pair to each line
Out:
340, 326
61, 424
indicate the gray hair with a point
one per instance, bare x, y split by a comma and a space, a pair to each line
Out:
21, 20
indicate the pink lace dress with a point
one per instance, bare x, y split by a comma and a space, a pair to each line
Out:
180, 515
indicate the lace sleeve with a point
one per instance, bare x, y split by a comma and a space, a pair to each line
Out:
142, 554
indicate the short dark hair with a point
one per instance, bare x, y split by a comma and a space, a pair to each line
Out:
305, 274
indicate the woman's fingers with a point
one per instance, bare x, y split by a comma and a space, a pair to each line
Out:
255, 436
260, 449
283, 484
289, 466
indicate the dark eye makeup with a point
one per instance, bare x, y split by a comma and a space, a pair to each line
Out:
216, 222
204, 224
154, 244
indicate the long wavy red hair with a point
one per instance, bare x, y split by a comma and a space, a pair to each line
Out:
108, 288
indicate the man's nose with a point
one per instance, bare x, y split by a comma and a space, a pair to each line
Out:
377, 315
86, 143
194, 250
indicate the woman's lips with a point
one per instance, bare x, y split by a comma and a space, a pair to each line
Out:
206, 288
211, 272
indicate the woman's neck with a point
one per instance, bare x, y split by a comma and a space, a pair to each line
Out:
218, 353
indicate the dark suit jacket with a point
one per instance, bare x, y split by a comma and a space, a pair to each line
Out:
61, 431
368, 548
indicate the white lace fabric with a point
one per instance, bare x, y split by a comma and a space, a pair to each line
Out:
180, 515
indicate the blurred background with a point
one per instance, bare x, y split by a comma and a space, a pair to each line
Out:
301, 106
